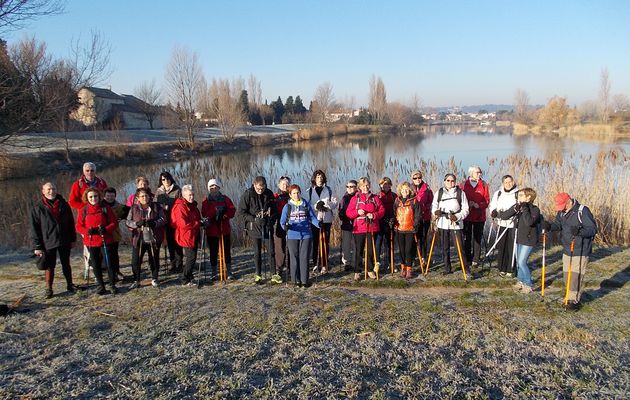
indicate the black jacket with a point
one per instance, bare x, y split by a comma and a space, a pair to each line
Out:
529, 219
251, 204
346, 223
46, 232
587, 229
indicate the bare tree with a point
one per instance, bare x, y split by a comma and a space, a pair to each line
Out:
226, 106
149, 93
521, 106
183, 79
377, 102
254, 90
14, 14
323, 100
604, 96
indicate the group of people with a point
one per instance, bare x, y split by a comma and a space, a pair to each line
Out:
290, 229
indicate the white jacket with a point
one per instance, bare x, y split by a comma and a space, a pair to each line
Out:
449, 204
330, 203
502, 202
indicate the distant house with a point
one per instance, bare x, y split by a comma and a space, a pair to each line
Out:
104, 108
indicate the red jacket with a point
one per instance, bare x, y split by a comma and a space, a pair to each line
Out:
370, 203
424, 197
387, 199
209, 210
92, 217
478, 194
186, 220
75, 199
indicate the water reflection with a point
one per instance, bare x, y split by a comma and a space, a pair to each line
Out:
435, 151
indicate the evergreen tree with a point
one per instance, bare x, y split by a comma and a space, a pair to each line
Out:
278, 110
244, 102
298, 106
289, 107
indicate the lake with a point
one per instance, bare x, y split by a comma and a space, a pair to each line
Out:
435, 151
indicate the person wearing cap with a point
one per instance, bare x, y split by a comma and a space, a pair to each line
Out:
279, 234
53, 232
424, 198
218, 209
478, 196
577, 229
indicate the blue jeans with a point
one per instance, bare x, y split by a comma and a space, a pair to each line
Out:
522, 254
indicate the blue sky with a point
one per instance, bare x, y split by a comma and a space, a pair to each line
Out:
446, 52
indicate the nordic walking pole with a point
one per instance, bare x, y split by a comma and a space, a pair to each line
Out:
391, 250
459, 252
220, 258
203, 240
542, 287
499, 237
430, 252
374, 252
106, 258
566, 295
420, 260
365, 256
325, 249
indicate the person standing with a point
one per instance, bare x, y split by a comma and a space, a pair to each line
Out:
87, 180
577, 230
321, 196
450, 207
219, 210
141, 183
146, 220
96, 222
385, 235
424, 198
528, 219
121, 211
279, 234
478, 199
186, 220
347, 241
258, 208
167, 193
365, 210
296, 218
408, 216
53, 232
502, 202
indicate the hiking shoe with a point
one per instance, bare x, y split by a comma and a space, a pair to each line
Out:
120, 277
372, 275
258, 279
526, 289
377, 267
357, 276
101, 291
155, 283
231, 277
134, 285
475, 263
502, 274
315, 269
113, 289
71, 288
409, 274
276, 278
509, 275
447, 271
324, 270
518, 286
573, 306
192, 283
48, 294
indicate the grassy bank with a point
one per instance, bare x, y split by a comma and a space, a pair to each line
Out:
337, 339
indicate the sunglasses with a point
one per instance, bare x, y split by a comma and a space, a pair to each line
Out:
415, 178
350, 187
285, 177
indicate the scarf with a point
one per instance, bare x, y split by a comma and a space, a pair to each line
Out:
53, 207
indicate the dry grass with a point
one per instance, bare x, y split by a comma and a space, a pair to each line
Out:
245, 341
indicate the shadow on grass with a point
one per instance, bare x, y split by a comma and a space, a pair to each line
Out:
607, 286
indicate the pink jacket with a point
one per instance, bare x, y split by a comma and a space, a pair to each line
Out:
370, 203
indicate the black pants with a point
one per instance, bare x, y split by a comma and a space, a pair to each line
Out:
445, 236
137, 254
347, 247
473, 233
384, 239
51, 261
315, 233
281, 254
213, 248
190, 259
114, 258
505, 248
258, 247
97, 256
407, 247
175, 251
359, 251
423, 238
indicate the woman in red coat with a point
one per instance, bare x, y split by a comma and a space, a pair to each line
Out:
218, 209
478, 196
96, 222
186, 220
366, 211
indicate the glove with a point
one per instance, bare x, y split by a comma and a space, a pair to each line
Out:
438, 213
260, 214
517, 207
494, 214
101, 230
151, 224
205, 222
416, 228
575, 230
220, 212
390, 222
93, 231
452, 217
546, 226
140, 223
319, 206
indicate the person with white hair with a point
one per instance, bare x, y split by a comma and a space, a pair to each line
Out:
87, 180
478, 196
186, 219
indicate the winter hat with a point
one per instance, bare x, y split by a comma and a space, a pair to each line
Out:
561, 200
213, 182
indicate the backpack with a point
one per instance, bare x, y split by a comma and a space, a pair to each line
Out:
458, 195
310, 193
356, 206
84, 210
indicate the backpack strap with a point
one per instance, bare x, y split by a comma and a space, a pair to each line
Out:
580, 210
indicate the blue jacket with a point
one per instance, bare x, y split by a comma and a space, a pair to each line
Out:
297, 220
587, 229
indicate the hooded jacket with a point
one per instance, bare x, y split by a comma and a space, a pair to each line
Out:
48, 232
370, 203
186, 220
